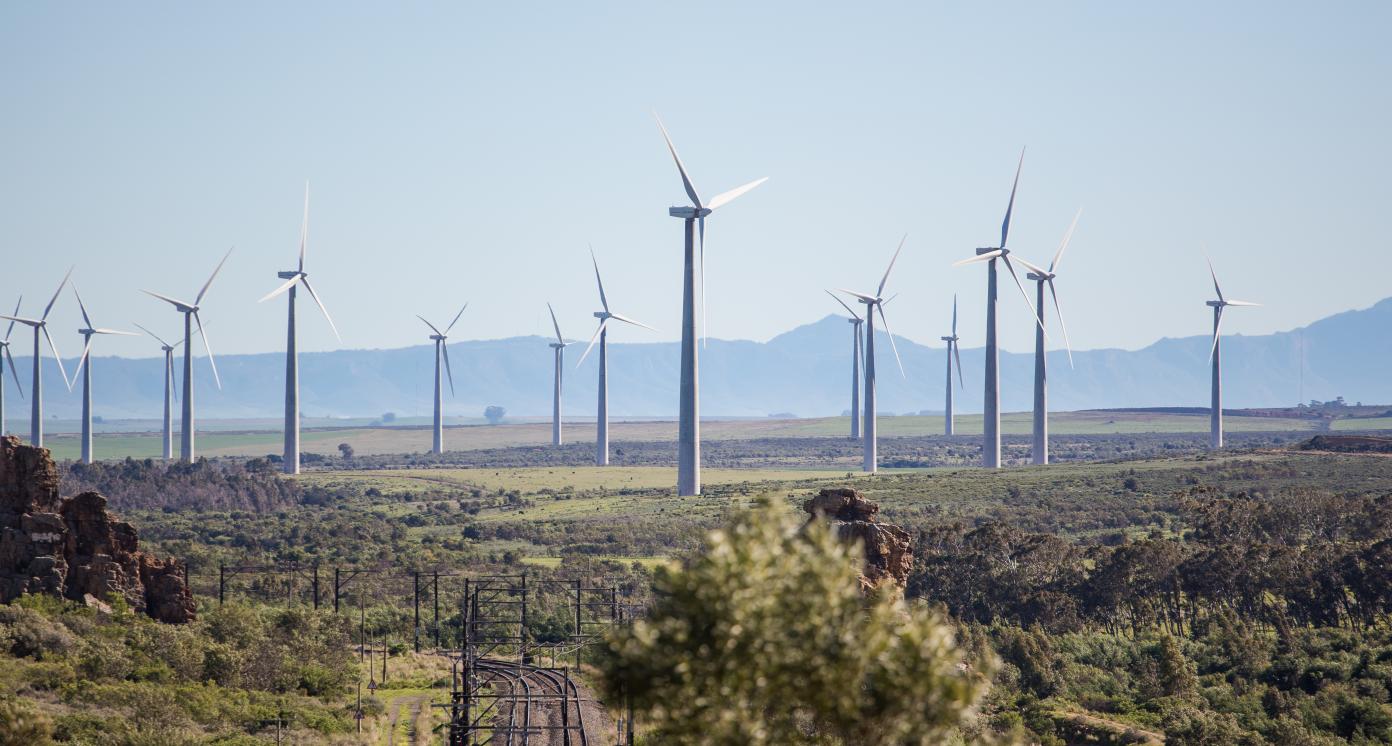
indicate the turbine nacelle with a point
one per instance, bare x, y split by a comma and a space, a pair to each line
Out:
1038, 277
291, 274
689, 213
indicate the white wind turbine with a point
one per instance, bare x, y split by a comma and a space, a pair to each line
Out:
170, 392
990, 426
855, 321
290, 462
7, 355
558, 348
1042, 277
40, 328
437, 443
191, 318
602, 336
689, 420
1215, 355
954, 352
84, 366
872, 304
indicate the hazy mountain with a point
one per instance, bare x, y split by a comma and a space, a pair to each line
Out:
805, 371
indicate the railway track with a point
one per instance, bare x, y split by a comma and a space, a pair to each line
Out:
545, 701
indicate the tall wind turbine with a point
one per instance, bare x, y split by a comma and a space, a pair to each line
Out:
558, 349
191, 318
437, 442
290, 462
40, 327
872, 304
954, 352
602, 335
1216, 357
84, 365
855, 321
170, 392
1042, 277
990, 426
7, 355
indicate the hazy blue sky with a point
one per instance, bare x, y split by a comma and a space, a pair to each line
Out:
470, 151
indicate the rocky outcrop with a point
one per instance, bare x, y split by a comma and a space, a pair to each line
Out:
888, 552
74, 547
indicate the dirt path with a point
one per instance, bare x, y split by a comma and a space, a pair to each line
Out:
414, 703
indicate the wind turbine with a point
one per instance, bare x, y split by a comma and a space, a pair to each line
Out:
1215, 356
40, 327
558, 347
290, 462
84, 365
855, 321
602, 335
689, 421
991, 446
5, 349
873, 303
1042, 277
191, 318
437, 445
954, 352
170, 392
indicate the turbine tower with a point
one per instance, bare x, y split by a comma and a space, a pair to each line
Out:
990, 426
1215, 356
1042, 277
84, 365
689, 421
873, 303
437, 443
7, 355
602, 335
954, 352
40, 328
191, 318
290, 462
170, 392
855, 321
558, 348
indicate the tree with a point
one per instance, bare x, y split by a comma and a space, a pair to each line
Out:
346, 451
765, 638
494, 414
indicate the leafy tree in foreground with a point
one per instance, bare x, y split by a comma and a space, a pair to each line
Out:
765, 638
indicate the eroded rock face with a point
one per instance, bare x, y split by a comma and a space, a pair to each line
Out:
74, 547
888, 552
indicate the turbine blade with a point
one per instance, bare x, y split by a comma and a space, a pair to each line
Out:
322, 309
1241, 303
725, 198
82, 307
22, 320
56, 293
603, 301
1010, 208
115, 331
593, 338
889, 269
861, 296
853, 314
165, 298
449, 373
634, 322
304, 225
555, 324
890, 334
954, 314
1214, 275
282, 288
10, 331
1025, 295
957, 353
1217, 329
13, 374
56, 357
152, 334
1058, 255
169, 372
209, 349
1058, 310
686, 180
456, 317
209, 283
86, 350
1031, 266
432, 326
979, 258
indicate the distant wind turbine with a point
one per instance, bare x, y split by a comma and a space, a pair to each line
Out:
1042, 277
1215, 356
191, 318
954, 352
5, 348
84, 366
437, 444
40, 327
170, 392
872, 304
602, 336
990, 426
689, 419
855, 321
558, 349
290, 462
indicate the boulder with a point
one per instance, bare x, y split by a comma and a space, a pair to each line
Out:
888, 550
